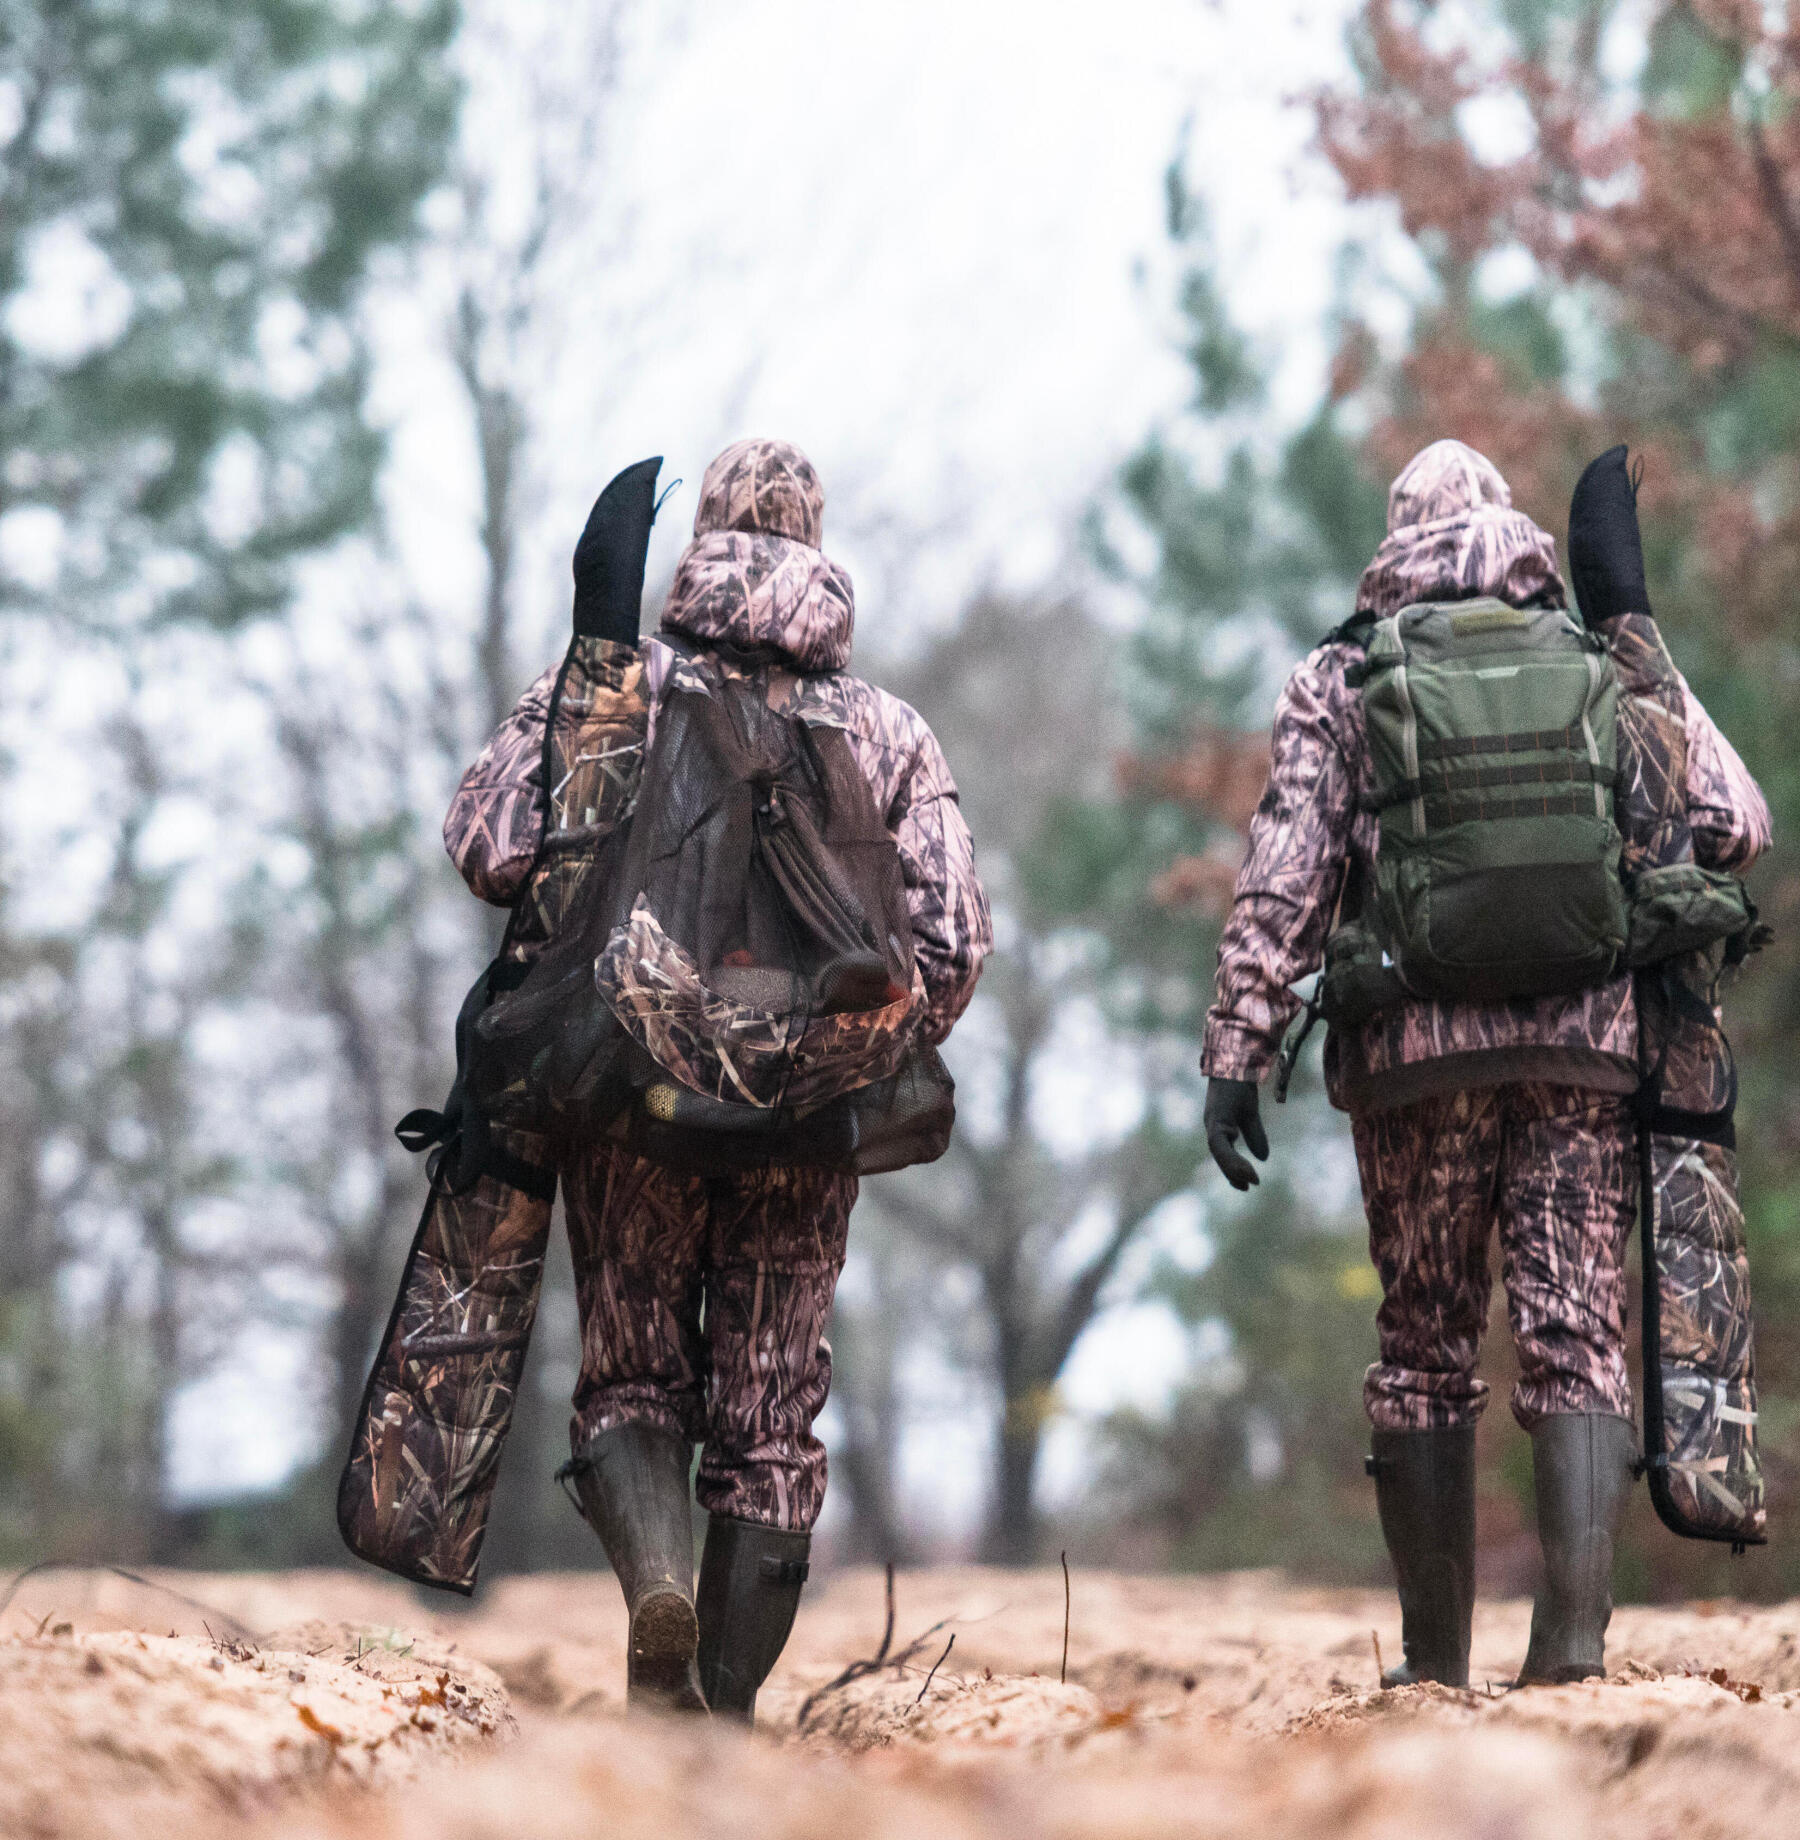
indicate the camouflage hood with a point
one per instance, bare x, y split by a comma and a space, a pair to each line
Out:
754, 574
1453, 535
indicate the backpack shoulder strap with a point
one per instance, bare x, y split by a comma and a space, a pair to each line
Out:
1354, 631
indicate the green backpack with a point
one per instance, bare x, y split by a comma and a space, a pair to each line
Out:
1493, 733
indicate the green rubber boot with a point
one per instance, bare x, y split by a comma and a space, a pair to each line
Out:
1425, 1491
1581, 1471
633, 1484
750, 1582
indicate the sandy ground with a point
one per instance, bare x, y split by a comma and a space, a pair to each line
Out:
337, 1704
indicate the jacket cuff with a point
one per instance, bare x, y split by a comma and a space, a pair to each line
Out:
1231, 1051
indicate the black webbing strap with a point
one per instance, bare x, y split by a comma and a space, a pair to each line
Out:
1289, 1057
464, 1149
1521, 741
1450, 786
1354, 631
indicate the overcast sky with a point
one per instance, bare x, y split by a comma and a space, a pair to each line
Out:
926, 243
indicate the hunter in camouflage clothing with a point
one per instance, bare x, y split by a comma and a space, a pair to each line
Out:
1468, 1117
704, 1302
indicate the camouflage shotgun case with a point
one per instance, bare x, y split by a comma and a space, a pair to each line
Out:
1700, 1400
1687, 925
416, 1490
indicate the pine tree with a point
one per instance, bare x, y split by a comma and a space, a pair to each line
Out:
1255, 548
193, 196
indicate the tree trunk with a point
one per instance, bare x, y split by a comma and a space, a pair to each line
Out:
1012, 1531
162, 1530
1011, 1535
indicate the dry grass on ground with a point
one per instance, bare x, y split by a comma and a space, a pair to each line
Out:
330, 1705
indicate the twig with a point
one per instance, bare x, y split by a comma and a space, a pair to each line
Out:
1380, 1671
887, 1635
859, 1670
1063, 1677
938, 1663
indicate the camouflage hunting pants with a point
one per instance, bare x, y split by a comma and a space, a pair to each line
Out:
1554, 1169
703, 1309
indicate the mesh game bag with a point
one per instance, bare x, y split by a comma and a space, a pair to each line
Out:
739, 990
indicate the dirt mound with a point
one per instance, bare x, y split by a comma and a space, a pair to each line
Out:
639, 1781
1203, 1708
126, 1732
986, 1710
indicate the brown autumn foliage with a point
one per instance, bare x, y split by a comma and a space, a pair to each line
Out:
1220, 772
1677, 210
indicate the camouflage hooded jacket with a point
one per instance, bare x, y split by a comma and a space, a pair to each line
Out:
1452, 535
754, 579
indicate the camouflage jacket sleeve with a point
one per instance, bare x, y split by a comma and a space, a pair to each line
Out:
1288, 888
1726, 808
496, 818
952, 930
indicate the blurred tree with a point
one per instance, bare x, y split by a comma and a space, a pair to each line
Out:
888, 1299
382, 938
194, 199
1258, 1460
1254, 549
1607, 202
1038, 1206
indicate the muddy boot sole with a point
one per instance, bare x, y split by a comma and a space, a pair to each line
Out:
663, 1673
1560, 1676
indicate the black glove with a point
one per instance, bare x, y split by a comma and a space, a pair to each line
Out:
609, 559
1606, 555
1231, 1112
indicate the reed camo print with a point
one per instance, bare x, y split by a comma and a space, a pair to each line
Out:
703, 1309
1707, 1375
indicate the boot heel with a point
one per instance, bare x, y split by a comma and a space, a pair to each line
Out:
665, 1644
632, 1482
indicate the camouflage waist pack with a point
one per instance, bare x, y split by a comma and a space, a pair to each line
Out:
1494, 745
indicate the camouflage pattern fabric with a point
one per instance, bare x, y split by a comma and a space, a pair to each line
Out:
496, 818
703, 1309
416, 1491
755, 566
1453, 535
767, 487
419, 1483
1554, 1169
597, 760
732, 1050
1708, 1365
754, 577
1700, 1425
1309, 834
